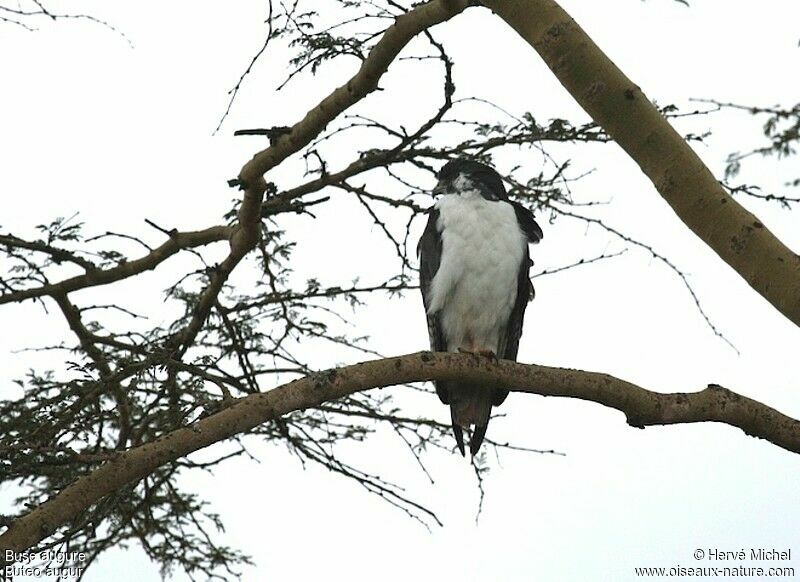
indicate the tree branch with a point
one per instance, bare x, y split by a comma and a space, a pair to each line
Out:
640, 406
620, 107
93, 278
87, 342
58, 255
364, 82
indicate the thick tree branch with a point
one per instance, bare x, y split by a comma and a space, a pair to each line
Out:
641, 407
620, 107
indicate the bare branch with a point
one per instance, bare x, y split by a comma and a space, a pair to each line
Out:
58, 255
660, 257
755, 192
579, 263
235, 90
93, 278
20, 14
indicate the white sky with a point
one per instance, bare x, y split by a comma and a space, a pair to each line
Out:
124, 134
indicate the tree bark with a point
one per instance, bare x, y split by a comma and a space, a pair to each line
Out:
641, 408
620, 107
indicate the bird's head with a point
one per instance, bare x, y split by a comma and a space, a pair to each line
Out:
458, 176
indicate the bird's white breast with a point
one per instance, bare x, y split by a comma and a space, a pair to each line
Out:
475, 287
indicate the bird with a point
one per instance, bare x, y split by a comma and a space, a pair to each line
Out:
474, 266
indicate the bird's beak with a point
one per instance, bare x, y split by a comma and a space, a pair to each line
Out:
440, 188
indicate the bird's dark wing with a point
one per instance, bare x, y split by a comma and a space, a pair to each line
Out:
429, 250
527, 223
509, 341
509, 336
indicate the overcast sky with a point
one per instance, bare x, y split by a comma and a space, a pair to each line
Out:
121, 134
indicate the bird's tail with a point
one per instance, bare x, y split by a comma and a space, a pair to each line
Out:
470, 407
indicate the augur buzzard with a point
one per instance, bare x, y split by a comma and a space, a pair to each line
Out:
474, 265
